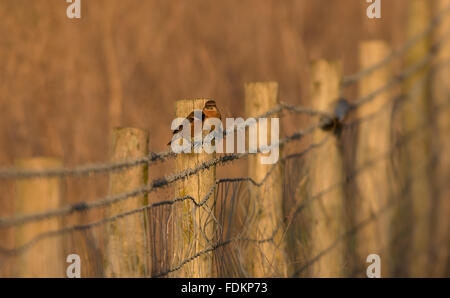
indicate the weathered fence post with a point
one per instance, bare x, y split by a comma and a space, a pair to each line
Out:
373, 147
6, 234
84, 244
44, 259
265, 259
326, 175
194, 227
415, 114
126, 251
441, 96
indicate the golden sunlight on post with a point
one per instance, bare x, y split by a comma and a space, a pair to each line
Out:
372, 156
45, 258
266, 259
414, 115
194, 227
441, 98
326, 171
126, 252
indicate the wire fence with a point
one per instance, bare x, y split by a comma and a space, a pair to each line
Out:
171, 246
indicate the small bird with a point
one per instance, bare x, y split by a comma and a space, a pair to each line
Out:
209, 111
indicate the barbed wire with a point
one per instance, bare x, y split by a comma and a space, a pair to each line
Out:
407, 137
325, 118
192, 258
352, 231
400, 77
99, 168
436, 21
156, 184
85, 170
66, 230
400, 233
308, 263
404, 140
169, 179
393, 201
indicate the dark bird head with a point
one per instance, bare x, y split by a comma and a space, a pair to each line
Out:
210, 105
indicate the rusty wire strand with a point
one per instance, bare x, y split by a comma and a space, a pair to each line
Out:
197, 204
170, 179
348, 233
436, 21
152, 158
154, 185
405, 139
99, 168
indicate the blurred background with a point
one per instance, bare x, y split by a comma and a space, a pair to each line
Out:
64, 84
60, 76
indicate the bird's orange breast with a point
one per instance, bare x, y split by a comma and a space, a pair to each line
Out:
212, 114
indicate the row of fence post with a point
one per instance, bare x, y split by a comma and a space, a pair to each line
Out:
194, 229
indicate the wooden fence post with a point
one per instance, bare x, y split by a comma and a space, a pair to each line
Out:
415, 114
126, 250
326, 175
194, 227
267, 259
441, 96
374, 143
83, 243
6, 234
45, 259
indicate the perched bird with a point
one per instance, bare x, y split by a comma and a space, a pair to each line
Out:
209, 111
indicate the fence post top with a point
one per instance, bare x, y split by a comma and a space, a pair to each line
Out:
184, 106
325, 62
261, 83
187, 100
373, 41
270, 84
129, 129
261, 86
370, 43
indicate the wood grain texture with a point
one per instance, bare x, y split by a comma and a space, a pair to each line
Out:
45, 259
267, 259
374, 143
441, 96
417, 153
126, 252
194, 227
326, 171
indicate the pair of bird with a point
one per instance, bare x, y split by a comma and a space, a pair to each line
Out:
209, 111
